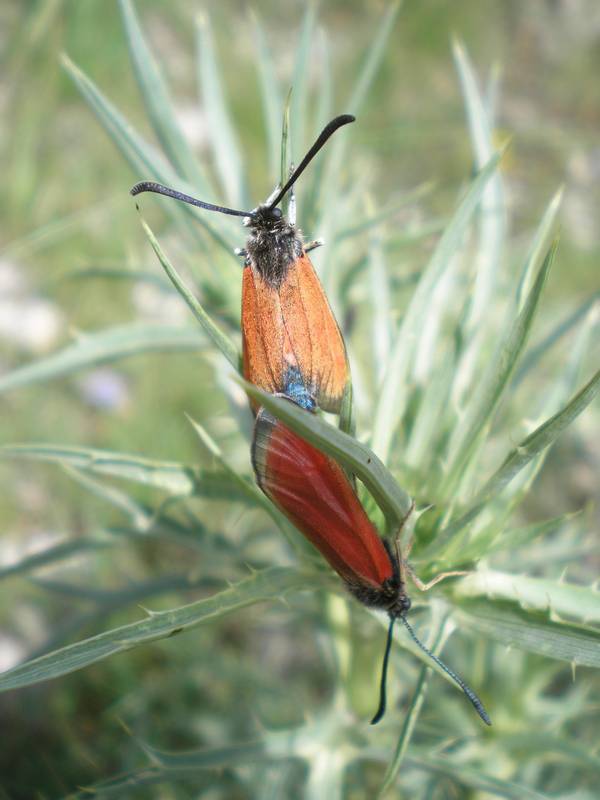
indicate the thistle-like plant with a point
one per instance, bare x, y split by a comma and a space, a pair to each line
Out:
444, 414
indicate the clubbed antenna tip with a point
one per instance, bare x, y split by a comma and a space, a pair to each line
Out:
476, 702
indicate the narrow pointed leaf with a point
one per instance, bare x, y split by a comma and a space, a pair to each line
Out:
355, 456
486, 396
244, 487
220, 126
376, 218
140, 155
300, 77
53, 555
145, 160
123, 784
487, 543
119, 273
224, 344
325, 186
393, 392
537, 248
158, 103
170, 476
550, 746
411, 716
534, 631
541, 438
477, 779
375, 55
429, 425
535, 443
107, 346
271, 96
140, 516
211, 757
268, 585
179, 480
324, 110
491, 232
553, 399
380, 305
555, 334
492, 224
579, 603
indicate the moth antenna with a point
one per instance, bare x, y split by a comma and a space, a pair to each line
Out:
477, 704
382, 692
325, 134
158, 188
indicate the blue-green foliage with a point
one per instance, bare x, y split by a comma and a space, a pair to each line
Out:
449, 409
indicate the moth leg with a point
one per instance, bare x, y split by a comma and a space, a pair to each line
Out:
423, 587
405, 518
313, 245
403, 565
292, 202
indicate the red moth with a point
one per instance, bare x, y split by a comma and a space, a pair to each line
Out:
314, 493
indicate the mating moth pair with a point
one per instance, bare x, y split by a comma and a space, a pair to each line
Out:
293, 347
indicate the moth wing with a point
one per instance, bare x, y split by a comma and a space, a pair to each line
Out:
314, 336
262, 333
314, 493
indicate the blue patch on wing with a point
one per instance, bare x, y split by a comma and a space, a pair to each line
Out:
295, 388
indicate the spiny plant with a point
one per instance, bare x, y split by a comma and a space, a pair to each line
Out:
437, 402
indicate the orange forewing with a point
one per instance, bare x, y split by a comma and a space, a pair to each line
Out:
313, 492
292, 325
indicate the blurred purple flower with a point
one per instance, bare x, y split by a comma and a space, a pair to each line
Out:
105, 389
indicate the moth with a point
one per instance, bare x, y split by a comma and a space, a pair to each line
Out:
291, 342
314, 493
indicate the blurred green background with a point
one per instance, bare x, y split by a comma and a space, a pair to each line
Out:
65, 212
